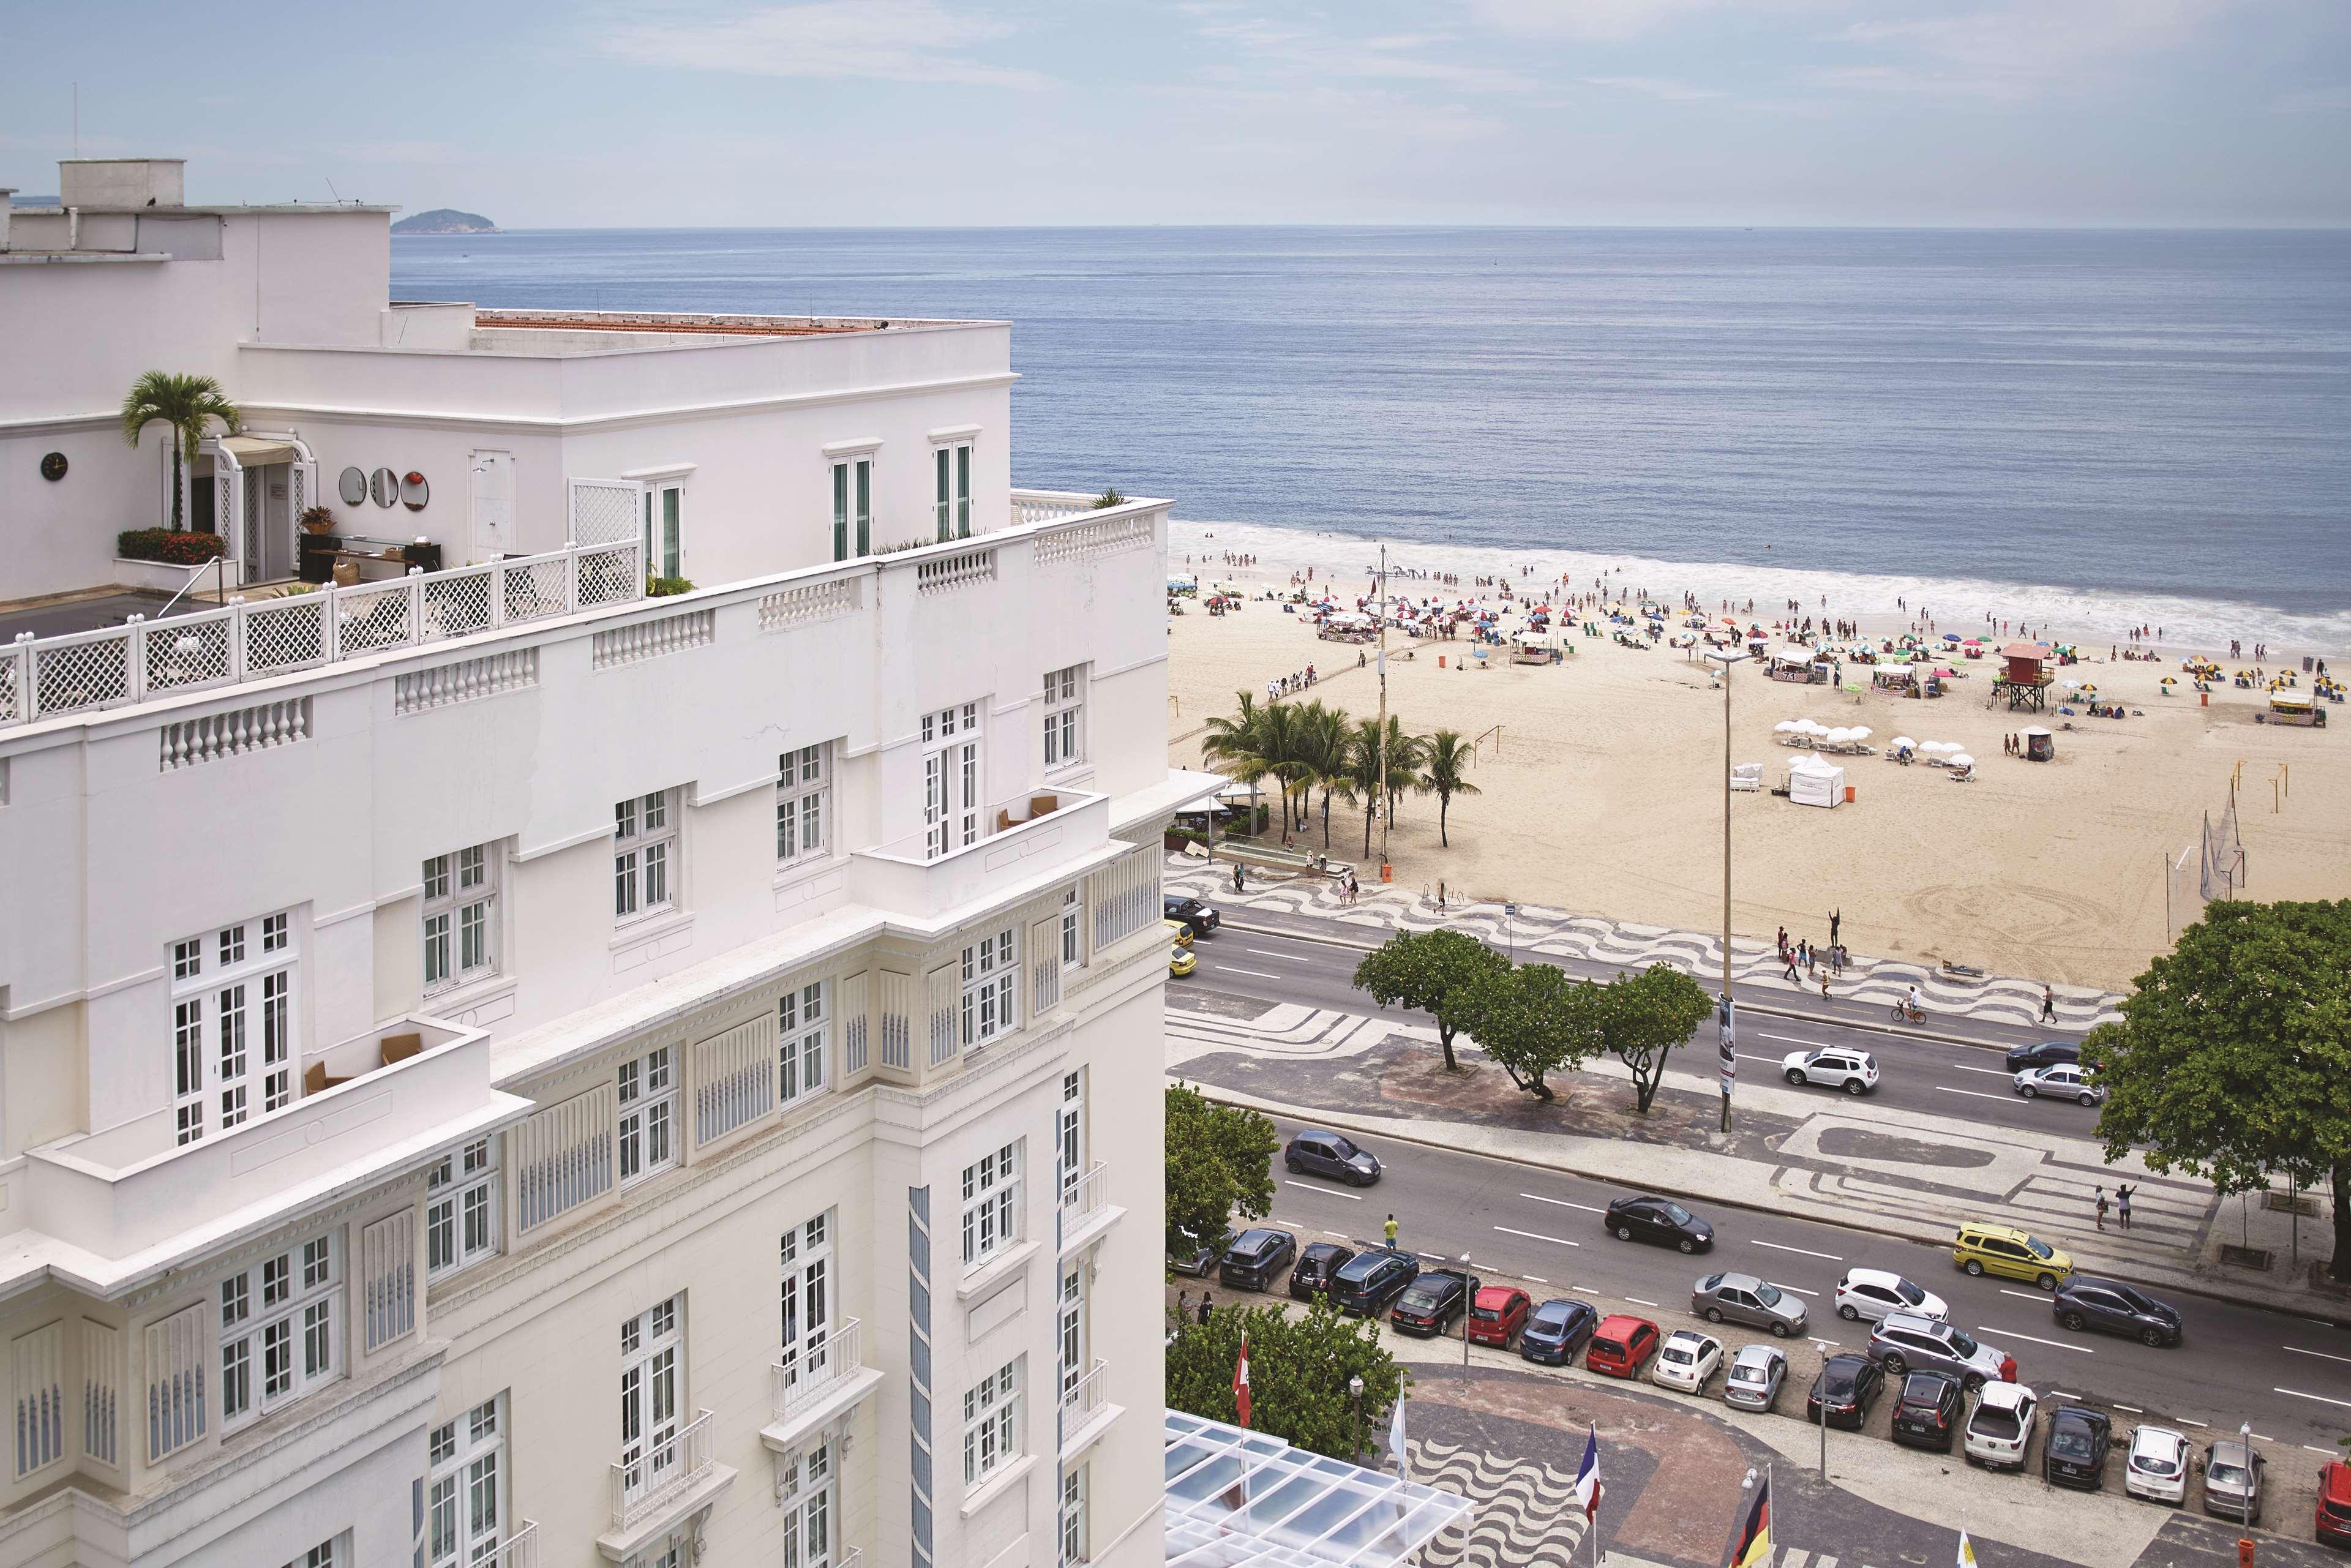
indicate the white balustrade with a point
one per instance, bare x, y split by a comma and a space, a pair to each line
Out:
1085, 1197
821, 1361
211, 737
1083, 1401
947, 574
661, 1469
464, 681
519, 1550
642, 640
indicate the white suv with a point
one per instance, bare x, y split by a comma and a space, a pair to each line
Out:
2000, 1429
2158, 1467
1855, 1071
1866, 1296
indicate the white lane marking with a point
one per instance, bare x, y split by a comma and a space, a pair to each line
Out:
1792, 1040
1534, 1278
2030, 1339
2188, 1421
2320, 1354
1237, 969
1798, 1288
1339, 1234
1995, 1071
1805, 1250
2060, 1394
1531, 1235
2330, 1453
2023, 1295
1638, 1303
1750, 1056
1971, 1093
1262, 953
2132, 1408
2322, 1399
1562, 1203
1326, 1191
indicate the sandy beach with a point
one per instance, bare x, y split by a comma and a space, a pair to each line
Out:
1601, 790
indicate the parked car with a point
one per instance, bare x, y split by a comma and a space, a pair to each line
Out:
1907, 1344
2013, 1254
1660, 1220
1855, 1071
1556, 1330
2000, 1429
1316, 1268
2233, 1481
1197, 917
1688, 1361
2064, 1081
1621, 1346
1200, 1258
2048, 1053
1756, 1374
1868, 1294
1847, 1386
1256, 1259
2076, 1454
1368, 1281
1177, 932
2157, 1468
2334, 1522
2114, 1308
1496, 1314
1434, 1301
1744, 1298
1926, 1413
1181, 962
1313, 1152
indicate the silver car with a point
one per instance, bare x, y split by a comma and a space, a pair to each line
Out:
1755, 1377
1744, 1298
2233, 1481
1904, 1344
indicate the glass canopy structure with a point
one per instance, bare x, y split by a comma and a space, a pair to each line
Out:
1237, 1497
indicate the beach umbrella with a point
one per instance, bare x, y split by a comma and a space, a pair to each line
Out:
1839, 736
1900, 741
1785, 727
1963, 760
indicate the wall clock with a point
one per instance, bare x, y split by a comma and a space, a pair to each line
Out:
52, 465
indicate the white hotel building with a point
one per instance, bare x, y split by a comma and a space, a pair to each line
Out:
495, 1068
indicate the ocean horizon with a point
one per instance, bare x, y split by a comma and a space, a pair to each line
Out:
2083, 428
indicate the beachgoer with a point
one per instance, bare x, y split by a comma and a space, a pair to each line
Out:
2048, 1005
1790, 974
1824, 985
2122, 1206
2102, 1208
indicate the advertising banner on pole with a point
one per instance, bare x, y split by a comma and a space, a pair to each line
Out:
1723, 1017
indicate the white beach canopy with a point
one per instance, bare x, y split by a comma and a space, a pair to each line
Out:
1900, 741
1963, 760
1815, 781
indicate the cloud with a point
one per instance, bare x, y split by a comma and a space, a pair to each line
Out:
1395, 57
1664, 88
885, 40
1606, 20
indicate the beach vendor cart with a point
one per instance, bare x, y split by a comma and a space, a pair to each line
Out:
2040, 745
2286, 708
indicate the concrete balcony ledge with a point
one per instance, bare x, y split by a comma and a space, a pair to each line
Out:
665, 1485
1086, 1212
1086, 1413
1027, 838
823, 1381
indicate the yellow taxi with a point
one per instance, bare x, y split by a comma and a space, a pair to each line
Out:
1181, 961
1177, 932
2013, 1254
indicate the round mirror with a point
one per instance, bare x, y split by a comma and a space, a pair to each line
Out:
413, 491
386, 485
353, 487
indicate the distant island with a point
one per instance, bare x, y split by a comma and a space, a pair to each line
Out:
444, 221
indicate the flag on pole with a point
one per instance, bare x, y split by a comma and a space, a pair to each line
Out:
1396, 1435
1587, 1476
1967, 1550
1241, 1383
1755, 1541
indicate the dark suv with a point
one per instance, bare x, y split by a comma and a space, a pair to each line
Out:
1317, 1152
1197, 917
1926, 1415
2116, 1308
1368, 1281
1318, 1267
1256, 1257
1431, 1303
2075, 1453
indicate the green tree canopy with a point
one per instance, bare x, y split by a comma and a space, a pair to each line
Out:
1532, 1019
1219, 1163
1299, 1368
1419, 969
186, 403
2233, 1058
1449, 758
1643, 1017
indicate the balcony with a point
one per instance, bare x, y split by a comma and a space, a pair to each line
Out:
1086, 1212
1086, 1412
1022, 839
662, 1487
823, 1380
519, 1550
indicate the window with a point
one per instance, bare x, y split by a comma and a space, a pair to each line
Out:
665, 530
1071, 1330
951, 778
804, 803
991, 1204
232, 1025
989, 1427
277, 1330
1073, 913
799, 1043
1070, 1152
460, 917
1065, 710
648, 1102
461, 1208
806, 1300
649, 1395
852, 507
465, 1498
1073, 1519
326, 1554
987, 972
954, 489
645, 854
804, 1485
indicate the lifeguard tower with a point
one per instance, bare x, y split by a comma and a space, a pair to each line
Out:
2024, 677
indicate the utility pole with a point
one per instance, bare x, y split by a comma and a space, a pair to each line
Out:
1726, 1013
1382, 787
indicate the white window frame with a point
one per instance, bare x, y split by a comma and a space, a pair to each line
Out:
852, 506
991, 1204
804, 1306
991, 973
951, 489
236, 1025
804, 804
991, 1424
1071, 1518
326, 1554
1074, 929
1070, 1329
653, 1393
953, 778
665, 530
803, 1038
466, 1496
646, 863
1070, 1133
463, 1195
647, 1095
280, 1329
460, 917
1065, 716
808, 1488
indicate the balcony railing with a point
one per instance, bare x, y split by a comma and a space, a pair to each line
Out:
519, 1550
1084, 1197
1016, 839
852, 1558
822, 1361
661, 1471
1084, 1401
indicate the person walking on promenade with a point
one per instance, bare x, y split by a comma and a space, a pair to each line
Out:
1781, 941
1824, 985
2048, 1004
1205, 1308
2122, 1206
1238, 885
2102, 1208
1389, 1229
1790, 975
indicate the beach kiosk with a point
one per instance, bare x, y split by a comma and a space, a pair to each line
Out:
1791, 662
2040, 745
2024, 676
2286, 708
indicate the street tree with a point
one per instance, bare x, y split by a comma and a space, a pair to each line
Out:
1219, 1163
2233, 1058
1532, 1019
1643, 1017
1419, 969
1299, 1369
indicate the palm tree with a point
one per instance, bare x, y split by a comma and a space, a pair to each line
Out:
1322, 745
1447, 773
183, 403
1404, 758
1237, 746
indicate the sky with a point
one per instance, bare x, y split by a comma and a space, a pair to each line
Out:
573, 113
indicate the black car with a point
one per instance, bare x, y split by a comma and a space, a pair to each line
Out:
2076, 1451
1556, 1330
1849, 1384
1926, 1415
1660, 1220
1432, 1301
1368, 1281
2114, 1308
1318, 1267
1316, 1153
1198, 918
1256, 1257
2048, 1053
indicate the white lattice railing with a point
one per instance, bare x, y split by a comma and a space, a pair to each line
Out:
821, 1362
117, 665
519, 1550
659, 1472
1083, 1401
1085, 1197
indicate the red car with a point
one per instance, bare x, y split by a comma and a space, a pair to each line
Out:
1621, 1346
2334, 1503
1498, 1315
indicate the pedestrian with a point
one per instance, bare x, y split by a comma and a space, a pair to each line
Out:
1389, 1229
1790, 975
1440, 895
1781, 941
1183, 1305
1236, 876
2122, 1206
1205, 1308
2102, 1208
1824, 985
2048, 1004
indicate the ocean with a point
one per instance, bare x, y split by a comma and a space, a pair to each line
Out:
2084, 430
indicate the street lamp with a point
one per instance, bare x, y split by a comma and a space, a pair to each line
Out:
1730, 1057
1356, 1392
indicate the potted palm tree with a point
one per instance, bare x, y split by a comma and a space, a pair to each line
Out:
185, 404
